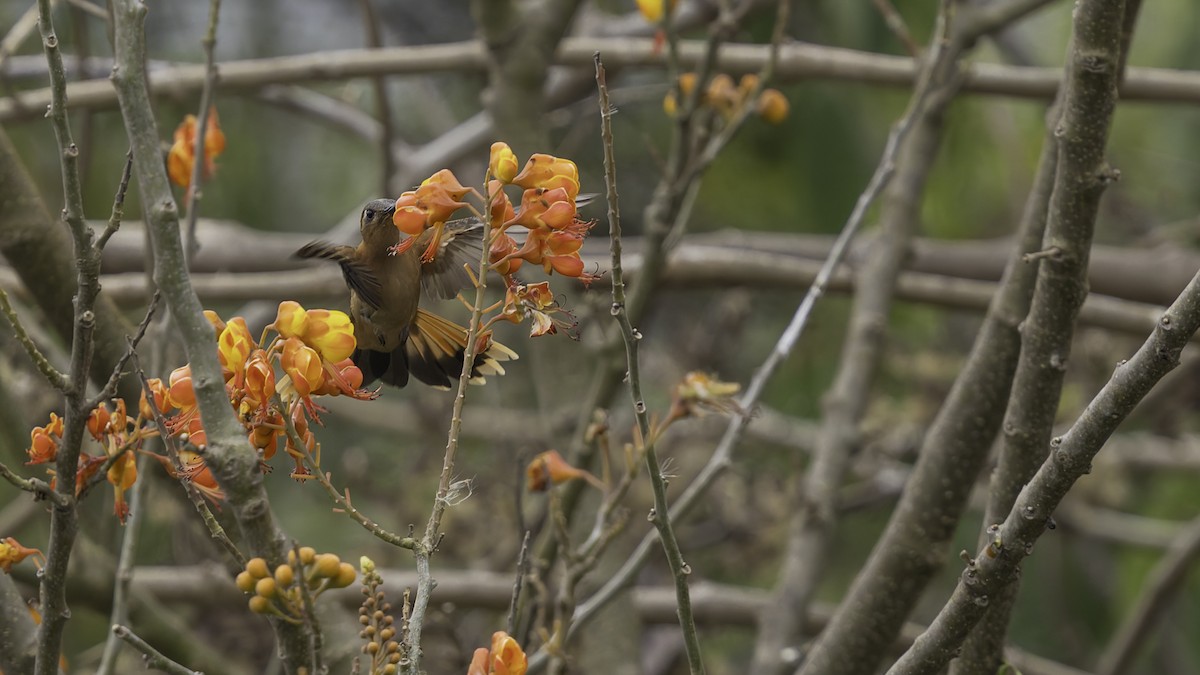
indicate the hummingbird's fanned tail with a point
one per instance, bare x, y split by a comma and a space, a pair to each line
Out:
433, 353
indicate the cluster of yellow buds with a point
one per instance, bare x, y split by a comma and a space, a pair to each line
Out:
279, 593
728, 99
375, 615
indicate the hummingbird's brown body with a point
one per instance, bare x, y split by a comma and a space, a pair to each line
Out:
395, 336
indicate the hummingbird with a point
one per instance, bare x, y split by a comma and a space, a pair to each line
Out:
395, 336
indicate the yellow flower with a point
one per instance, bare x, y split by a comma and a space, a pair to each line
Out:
234, 346
122, 474
653, 10
290, 319
331, 333
503, 162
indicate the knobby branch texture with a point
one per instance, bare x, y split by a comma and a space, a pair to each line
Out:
845, 404
912, 547
233, 462
1082, 134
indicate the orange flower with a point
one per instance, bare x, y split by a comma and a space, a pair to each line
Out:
303, 365
501, 255
43, 441
345, 378
12, 553
507, 657
180, 393
479, 662
88, 467
182, 156
409, 217
97, 423
540, 207
122, 474
260, 384
215, 319
503, 162
195, 470
550, 172
265, 436
330, 333
550, 467
536, 302
159, 392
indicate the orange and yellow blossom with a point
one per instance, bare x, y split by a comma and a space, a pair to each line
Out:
502, 163
122, 475
182, 156
43, 441
12, 553
550, 467
234, 345
302, 364
549, 172
504, 658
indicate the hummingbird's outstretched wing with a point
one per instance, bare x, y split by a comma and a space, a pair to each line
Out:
358, 275
461, 244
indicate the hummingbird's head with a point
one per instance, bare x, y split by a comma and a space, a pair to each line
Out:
376, 220
376, 213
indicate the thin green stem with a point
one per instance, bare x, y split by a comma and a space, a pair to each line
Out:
206, 98
48, 371
428, 544
154, 658
660, 516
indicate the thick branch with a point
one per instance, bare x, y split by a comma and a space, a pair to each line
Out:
233, 462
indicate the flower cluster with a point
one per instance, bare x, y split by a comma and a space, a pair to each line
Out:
311, 347
280, 593
182, 157
378, 631
119, 436
554, 235
728, 99
547, 214
504, 658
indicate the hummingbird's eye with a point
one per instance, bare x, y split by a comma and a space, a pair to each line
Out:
369, 215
